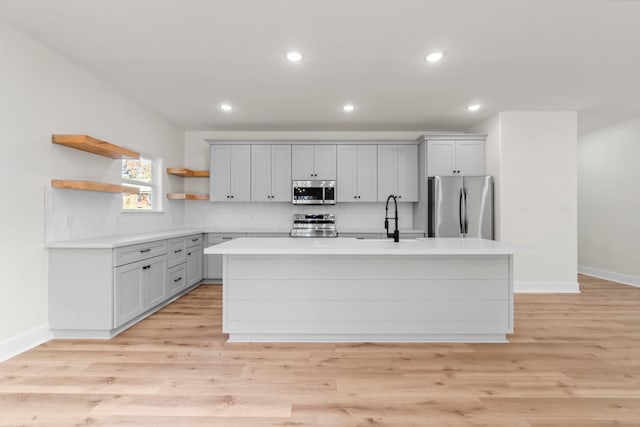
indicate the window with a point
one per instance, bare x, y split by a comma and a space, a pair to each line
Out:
140, 173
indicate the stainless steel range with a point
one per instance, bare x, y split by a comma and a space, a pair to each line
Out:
314, 225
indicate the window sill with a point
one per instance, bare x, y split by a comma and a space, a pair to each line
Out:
141, 211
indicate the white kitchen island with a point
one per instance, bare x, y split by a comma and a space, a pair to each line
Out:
352, 290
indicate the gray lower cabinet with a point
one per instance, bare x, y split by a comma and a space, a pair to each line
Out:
194, 265
177, 278
138, 287
403, 235
99, 292
214, 262
361, 235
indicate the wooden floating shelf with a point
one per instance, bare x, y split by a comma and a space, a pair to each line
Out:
95, 146
187, 196
187, 173
69, 184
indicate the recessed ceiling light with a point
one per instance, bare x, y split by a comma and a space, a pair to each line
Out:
434, 57
348, 108
294, 56
226, 107
474, 107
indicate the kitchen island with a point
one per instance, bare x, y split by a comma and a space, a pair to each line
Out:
352, 290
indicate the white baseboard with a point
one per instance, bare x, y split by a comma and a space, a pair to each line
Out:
610, 275
23, 342
546, 287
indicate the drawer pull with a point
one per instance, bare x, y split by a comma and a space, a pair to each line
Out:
227, 238
195, 240
146, 267
189, 253
177, 251
178, 279
145, 250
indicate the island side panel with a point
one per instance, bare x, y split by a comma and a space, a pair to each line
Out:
302, 297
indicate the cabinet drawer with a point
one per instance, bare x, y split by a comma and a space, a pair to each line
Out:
176, 253
411, 235
133, 253
193, 240
215, 238
176, 279
362, 235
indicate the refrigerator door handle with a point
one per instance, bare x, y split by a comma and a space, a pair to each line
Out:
466, 213
460, 213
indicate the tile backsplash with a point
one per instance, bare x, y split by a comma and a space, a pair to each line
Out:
74, 215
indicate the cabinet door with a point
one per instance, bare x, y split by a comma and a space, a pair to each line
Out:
387, 171
194, 265
302, 162
176, 279
325, 162
154, 282
281, 173
347, 173
408, 173
240, 169
220, 177
214, 262
470, 158
441, 158
367, 173
128, 301
260, 173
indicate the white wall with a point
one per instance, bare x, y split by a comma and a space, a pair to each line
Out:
44, 94
493, 164
608, 202
533, 156
229, 215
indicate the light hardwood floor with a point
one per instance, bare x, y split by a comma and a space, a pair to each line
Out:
574, 361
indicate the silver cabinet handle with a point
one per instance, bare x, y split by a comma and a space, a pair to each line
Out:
145, 250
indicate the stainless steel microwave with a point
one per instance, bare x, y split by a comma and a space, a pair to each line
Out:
314, 192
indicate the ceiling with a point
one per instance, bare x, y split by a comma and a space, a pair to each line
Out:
182, 58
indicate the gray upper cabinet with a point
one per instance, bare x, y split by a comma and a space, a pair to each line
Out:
357, 173
455, 158
230, 176
398, 172
313, 162
271, 173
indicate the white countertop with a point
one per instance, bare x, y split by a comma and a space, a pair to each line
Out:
353, 246
114, 241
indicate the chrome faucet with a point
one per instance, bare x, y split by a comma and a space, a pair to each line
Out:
396, 233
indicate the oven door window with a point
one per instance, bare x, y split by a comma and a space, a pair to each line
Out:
307, 194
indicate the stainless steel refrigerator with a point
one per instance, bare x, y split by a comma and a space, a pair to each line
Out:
460, 206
